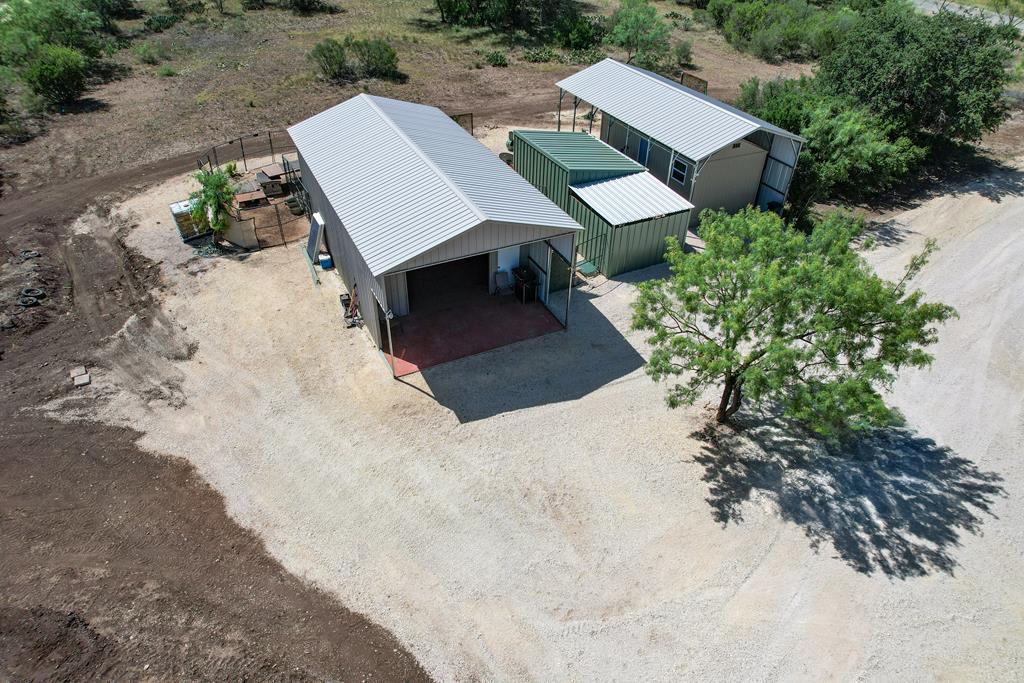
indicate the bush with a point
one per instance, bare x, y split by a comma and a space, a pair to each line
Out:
309, 6
27, 25
158, 23
57, 74
584, 57
351, 59
496, 58
574, 31
166, 71
184, 7
375, 58
682, 54
331, 57
109, 10
538, 54
150, 54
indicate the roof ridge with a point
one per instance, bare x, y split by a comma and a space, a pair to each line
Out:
423, 156
706, 99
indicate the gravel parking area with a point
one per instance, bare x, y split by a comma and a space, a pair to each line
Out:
537, 513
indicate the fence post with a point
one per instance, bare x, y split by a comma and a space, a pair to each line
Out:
215, 161
280, 227
241, 143
270, 139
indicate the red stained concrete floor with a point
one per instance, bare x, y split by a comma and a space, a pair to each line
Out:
431, 338
453, 316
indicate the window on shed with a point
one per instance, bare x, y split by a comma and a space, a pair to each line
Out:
679, 170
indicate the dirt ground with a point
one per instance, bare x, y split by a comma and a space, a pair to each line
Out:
249, 72
114, 562
538, 513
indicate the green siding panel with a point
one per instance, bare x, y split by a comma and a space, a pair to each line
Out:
615, 250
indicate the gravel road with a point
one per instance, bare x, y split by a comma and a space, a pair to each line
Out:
537, 513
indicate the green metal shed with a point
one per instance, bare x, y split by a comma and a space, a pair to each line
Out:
625, 212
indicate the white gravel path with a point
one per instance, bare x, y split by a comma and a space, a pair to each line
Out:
546, 517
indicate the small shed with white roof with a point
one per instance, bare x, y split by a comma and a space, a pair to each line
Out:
625, 212
709, 152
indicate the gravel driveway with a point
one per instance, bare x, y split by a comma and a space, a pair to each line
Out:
537, 513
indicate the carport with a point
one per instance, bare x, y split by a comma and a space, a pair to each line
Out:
430, 231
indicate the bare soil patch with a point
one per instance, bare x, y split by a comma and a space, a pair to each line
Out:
249, 72
117, 563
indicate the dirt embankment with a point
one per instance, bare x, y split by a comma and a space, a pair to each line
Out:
116, 563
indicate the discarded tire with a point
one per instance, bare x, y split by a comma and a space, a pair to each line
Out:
33, 292
15, 310
28, 253
28, 301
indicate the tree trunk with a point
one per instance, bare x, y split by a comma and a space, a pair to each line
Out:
737, 399
722, 415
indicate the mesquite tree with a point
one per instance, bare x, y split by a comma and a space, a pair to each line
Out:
771, 313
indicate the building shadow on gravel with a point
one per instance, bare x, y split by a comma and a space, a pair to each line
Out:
892, 501
556, 367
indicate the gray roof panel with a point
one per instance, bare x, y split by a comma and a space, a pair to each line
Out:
630, 198
404, 178
689, 122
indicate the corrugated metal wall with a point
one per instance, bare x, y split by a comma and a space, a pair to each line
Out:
639, 245
614, 250
397, 289
350, 265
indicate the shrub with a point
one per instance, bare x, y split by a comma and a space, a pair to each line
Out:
496, 58
109, 10
375, 58
682, 54
309, 6
584, 57
166, 71
57, 74
183, 7
574, 31
150, 54
27, 25
331, 57
158, 23
538, 54
351, 59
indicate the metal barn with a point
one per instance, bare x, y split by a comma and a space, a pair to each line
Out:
714, 155
625, 212
424, 223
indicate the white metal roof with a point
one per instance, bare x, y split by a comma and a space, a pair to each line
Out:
630, 198
404, 178
689, 122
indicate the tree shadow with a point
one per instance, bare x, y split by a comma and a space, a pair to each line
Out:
890, 501
955, 171
884, 233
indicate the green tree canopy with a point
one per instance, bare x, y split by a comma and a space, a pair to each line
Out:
638, 29
25, 25
848, 152
943, 74
767, 312
57, 74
